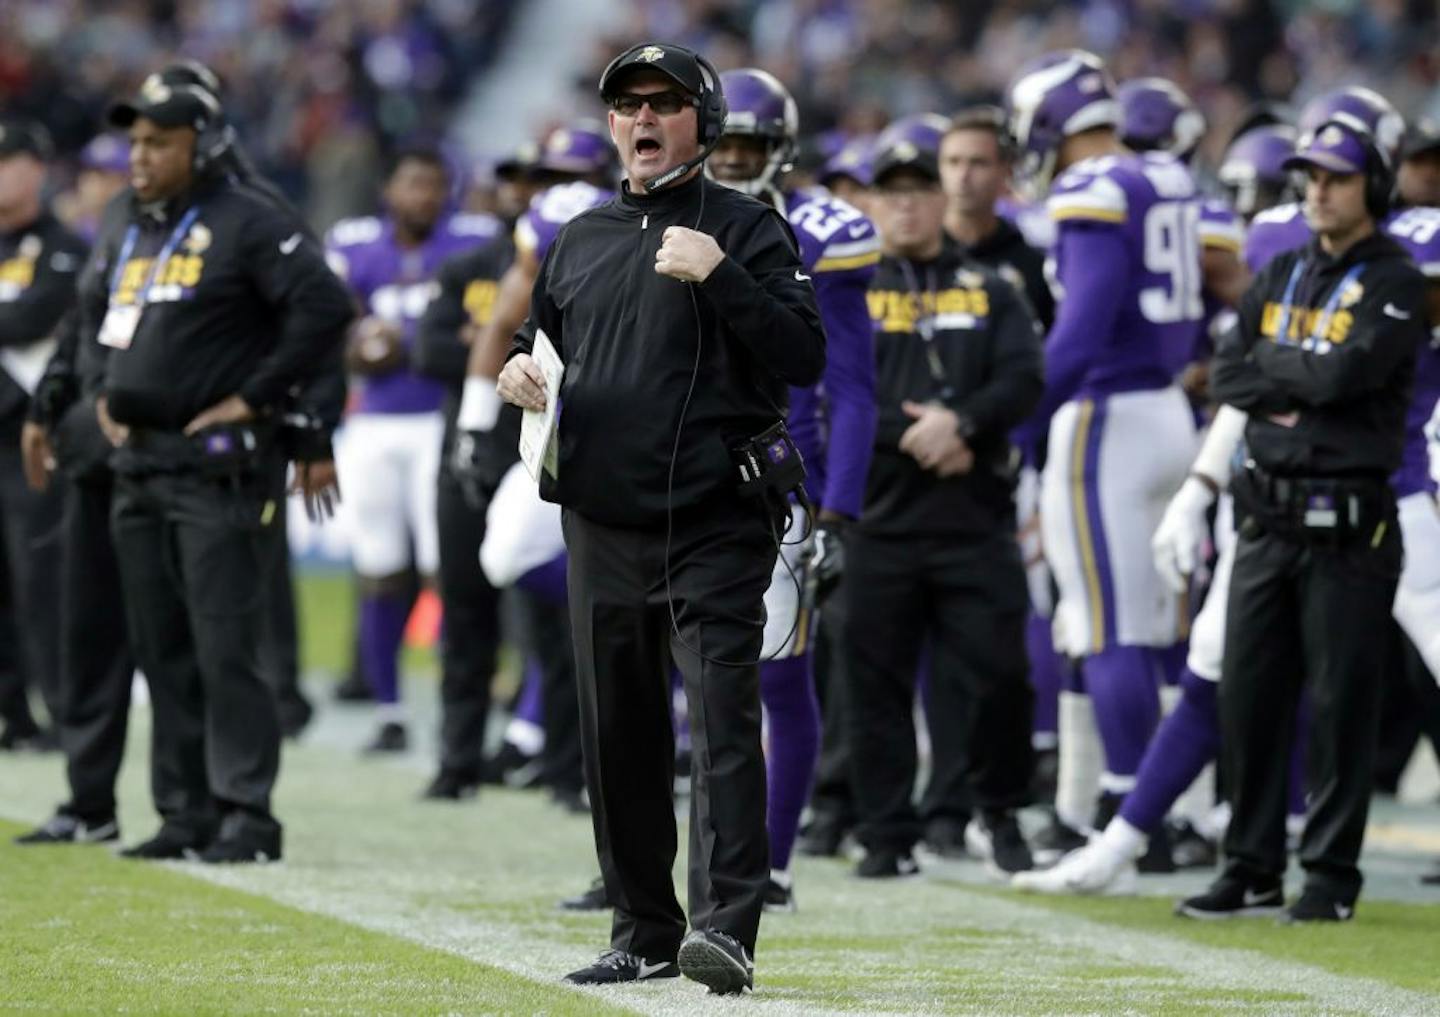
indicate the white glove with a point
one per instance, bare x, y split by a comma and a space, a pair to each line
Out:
1432, 444
1182, 532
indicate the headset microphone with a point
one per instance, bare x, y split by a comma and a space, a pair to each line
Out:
653, 184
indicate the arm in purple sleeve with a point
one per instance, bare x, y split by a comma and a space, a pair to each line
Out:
849, 387
1091, 259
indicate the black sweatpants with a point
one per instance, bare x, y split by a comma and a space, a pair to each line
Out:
1318, 616
280, 648
30, 530
471, 636
720, 564
969, 596
96, 667
194, 566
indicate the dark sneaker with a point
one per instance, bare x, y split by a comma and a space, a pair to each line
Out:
37, 739
391, 737
886, 863
1232, 897
615, 966
779, 893
295, 716
1045, 776
822, 837
511, 767
718, 961
354, 689
996, 839
1189, 848
1157, 859
945, 837
1054, 841
572, 800
66, 828
1318, 906
1432, 878
167, 845
243, 848
452, 785
593, 899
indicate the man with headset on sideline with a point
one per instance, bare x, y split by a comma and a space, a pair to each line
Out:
681, 312
214, 306
1323, 360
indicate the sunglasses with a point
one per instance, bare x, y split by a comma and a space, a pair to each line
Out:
665, 104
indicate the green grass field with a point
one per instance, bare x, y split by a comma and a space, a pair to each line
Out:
387, 905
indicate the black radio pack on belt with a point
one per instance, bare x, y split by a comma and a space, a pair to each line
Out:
1329, 511
227, 450
769, 464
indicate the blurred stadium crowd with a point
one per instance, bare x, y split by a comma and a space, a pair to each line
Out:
322, 89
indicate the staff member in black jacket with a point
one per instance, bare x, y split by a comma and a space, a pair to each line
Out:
39, 262
681, 312
935, 555
216, 306
1323, 360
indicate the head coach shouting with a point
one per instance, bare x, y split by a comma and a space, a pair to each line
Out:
681, 313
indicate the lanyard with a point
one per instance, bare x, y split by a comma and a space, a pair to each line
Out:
1322, 322
925, 324
128, 246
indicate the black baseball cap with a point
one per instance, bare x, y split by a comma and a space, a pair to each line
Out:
905, 155
1419, 139
25, 137
677, 63
167, 105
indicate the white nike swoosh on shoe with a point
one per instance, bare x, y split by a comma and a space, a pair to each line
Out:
1395, 312
801, 277
646, 969
1253, 899
1343, 912
87, 834
289, 244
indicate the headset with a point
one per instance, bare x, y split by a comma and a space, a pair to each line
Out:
711, 111
1379, 171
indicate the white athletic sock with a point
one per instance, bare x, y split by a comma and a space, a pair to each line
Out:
1123, 839
1081, 759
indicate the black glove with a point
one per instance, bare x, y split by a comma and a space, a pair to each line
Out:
827, 558
469, 465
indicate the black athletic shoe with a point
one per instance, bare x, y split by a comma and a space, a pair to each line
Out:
1432, 878
997, 839
1232, 897
67, 828
391, 737
1318, 906
295, 716
243, 848
887, 863
167, 845
1045, 776
718, 961
593, 899
615, 966
511, 767
1157, 859
1054, 841
1189, 849
822, 837
779, 895
945, 836
452, 785
354, 689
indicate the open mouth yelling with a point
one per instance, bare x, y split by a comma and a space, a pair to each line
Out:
648, 151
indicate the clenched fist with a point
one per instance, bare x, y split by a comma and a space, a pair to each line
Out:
687, 255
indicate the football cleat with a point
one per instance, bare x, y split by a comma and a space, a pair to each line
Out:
1094, 869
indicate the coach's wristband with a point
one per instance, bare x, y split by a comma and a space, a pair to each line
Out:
479, 405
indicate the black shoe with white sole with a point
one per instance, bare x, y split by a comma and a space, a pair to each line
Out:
615, 966
1054, 841
717, 960
1317, 905
167, 845
779, 893
885, 863
1233, 897
67, 828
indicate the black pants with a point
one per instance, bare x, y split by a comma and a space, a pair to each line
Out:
1301, 614
833, 800
280, 649
970, 597
543, 631
720, 564
471, 634
96, 667
194, 563
947, 716
30, 529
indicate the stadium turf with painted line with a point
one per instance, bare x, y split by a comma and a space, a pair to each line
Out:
385, 904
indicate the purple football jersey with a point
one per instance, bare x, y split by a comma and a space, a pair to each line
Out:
1150, 205
833, 421
551, 209
1032, 220
395, 284
1273, 232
